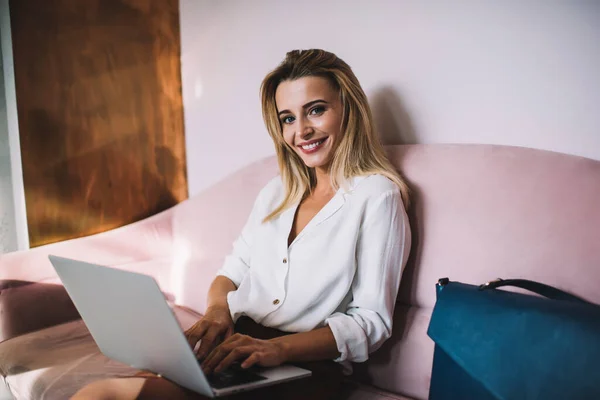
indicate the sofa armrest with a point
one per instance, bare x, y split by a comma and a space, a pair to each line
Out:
31, 297
30, 306
141, 241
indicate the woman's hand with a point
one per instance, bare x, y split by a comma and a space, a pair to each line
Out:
267, 353
215, 326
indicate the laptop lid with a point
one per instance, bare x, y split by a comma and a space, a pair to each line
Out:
126, 314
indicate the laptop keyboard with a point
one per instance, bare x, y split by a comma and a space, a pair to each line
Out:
233, 376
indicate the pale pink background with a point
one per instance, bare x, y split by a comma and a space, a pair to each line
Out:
502, 72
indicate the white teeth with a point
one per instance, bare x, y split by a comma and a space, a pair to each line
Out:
313, 145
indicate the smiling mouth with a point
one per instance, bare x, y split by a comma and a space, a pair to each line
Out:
312, 147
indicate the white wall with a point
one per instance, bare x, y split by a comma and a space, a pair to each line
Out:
517, 72
13, 218
8, 236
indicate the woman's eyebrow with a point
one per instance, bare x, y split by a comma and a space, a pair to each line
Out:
307, 105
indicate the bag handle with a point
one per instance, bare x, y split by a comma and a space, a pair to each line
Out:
536, 287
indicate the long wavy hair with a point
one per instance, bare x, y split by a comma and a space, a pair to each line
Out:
359, 152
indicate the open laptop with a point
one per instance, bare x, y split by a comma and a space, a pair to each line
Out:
129, 319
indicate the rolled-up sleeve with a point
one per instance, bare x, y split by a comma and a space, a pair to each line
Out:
381, 251
236, 264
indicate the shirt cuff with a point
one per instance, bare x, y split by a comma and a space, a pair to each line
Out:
350, 338
235, 270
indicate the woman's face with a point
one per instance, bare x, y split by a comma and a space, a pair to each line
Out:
310, 113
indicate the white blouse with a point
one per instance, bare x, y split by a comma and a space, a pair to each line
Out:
342, 270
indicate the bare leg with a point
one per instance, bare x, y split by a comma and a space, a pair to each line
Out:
134, 388
111, 389
314, 388
148, 386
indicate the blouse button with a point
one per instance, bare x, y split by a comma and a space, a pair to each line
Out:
285, 260
276, 301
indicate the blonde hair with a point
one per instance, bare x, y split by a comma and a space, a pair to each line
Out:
359, 153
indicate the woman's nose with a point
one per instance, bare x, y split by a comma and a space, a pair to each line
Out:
305, 130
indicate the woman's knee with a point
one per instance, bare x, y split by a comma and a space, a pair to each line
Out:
111, 389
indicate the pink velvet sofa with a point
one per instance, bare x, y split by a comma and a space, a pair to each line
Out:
479, 212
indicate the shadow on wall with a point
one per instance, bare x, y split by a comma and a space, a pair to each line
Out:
395, 127
392, 120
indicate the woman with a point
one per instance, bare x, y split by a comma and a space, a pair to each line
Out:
320, 258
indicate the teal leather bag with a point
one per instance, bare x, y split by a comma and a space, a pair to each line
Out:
496, 344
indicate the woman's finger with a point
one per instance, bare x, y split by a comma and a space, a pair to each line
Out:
208, 343
228, 333
195, 333
253, 359
234, 355
219, 352
213, 353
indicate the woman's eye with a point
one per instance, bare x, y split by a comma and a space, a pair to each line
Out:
317, 110
287, 120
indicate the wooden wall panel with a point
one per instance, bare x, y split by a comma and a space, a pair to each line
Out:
98, 86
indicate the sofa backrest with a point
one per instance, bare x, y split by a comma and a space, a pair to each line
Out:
481, 212
205, 226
